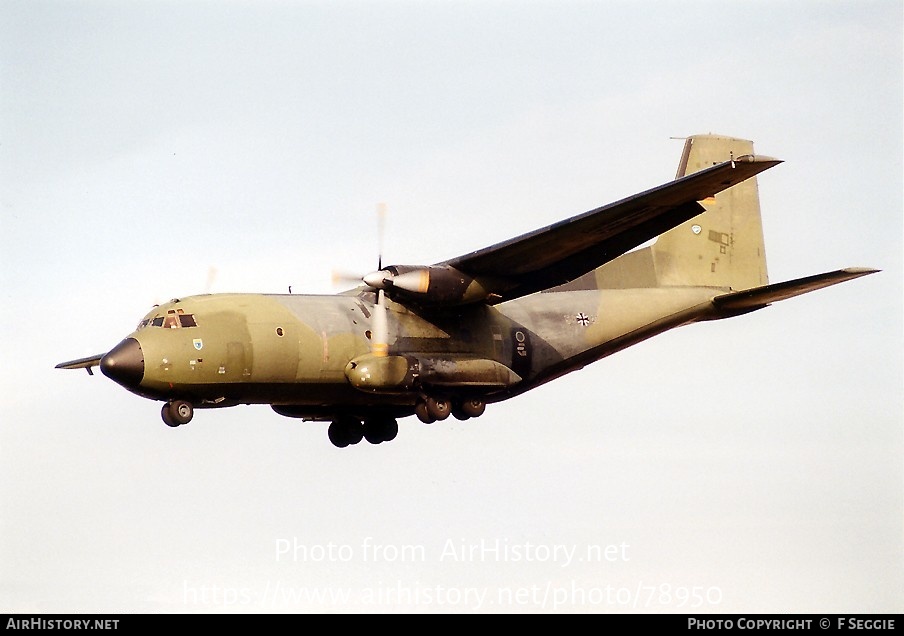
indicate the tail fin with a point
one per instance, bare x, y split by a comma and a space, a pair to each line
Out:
723, 247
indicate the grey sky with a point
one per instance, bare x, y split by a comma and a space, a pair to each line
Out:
147, 145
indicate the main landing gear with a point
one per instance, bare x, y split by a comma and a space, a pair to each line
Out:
433, 409
346, 431
177, 413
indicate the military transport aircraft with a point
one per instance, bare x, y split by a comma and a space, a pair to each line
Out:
452, 337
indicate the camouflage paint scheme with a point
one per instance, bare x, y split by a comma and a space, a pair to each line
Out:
478, 329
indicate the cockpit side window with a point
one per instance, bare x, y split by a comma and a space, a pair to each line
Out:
187, 320
157, 321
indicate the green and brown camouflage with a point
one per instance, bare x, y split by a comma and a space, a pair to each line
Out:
481, 328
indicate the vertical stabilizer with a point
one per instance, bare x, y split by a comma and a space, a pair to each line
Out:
723, 247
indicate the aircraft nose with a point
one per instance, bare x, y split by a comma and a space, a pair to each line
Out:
124, 363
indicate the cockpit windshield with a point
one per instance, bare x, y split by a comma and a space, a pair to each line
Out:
173, 319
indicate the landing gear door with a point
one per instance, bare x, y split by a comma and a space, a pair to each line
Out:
237, 366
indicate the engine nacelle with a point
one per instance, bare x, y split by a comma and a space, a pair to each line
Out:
382, 373
429, 284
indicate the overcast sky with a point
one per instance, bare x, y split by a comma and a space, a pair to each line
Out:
150, 150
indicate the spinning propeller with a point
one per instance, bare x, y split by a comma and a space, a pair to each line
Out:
375, 280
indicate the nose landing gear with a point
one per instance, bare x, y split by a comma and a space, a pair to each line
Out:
177, 413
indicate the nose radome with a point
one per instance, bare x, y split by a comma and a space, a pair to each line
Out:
124, 363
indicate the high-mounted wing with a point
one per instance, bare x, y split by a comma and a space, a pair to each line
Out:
561, 252
82, 363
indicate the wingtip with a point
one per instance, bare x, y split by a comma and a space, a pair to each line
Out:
765, 159
861, 271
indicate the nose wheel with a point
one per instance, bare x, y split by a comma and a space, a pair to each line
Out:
177, 413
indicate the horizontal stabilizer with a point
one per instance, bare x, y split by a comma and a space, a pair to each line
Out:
759, 297
82, 363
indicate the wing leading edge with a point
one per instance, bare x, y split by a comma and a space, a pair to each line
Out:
561, 252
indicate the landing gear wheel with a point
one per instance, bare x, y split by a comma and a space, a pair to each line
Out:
473, 407
438, 408
177, 413
167, 417
458, 414
390, 430
423, 414
345, 431
181, 411
336, 433
355, 432
372, 432
378, 430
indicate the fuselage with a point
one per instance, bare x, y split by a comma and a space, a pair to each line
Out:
293, 351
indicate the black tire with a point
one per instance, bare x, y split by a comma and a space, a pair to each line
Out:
373, 431
167, 418
458, 414
379, 429
438, 408
338, 434
423, 414
354, 431
345, 431
390, 430
473, 407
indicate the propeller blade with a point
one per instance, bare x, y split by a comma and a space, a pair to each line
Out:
376, 279
381, 224
211, 277
380, 335
345, 278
